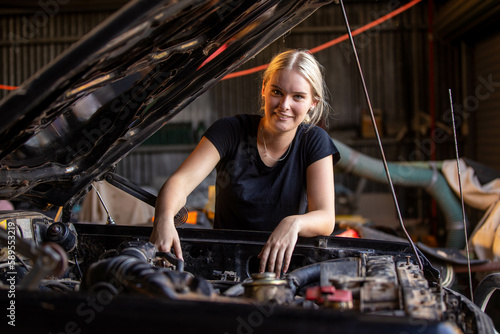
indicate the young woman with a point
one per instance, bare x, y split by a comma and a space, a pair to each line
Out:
274, 171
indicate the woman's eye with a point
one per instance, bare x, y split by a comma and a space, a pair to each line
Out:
276, 92
299, 97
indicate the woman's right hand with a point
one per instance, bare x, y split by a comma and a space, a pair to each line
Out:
173, 194
165, 237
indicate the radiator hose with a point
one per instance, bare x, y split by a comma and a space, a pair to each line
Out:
410, 174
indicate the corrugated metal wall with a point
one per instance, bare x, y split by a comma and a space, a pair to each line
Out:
469, 55
485, 103
393, 57
30, 40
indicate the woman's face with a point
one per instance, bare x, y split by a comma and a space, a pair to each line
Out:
287, 99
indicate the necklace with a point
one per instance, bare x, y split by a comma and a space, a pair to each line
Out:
265, 147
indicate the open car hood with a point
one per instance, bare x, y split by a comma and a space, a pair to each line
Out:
75, 119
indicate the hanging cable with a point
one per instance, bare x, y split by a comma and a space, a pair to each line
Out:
372, 114
5, 87
461, 196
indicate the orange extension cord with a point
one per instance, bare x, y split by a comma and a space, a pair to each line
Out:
313, 50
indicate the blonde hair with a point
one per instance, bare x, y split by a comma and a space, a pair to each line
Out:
304, 63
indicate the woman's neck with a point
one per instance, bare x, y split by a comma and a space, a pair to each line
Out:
275, 139
273, 146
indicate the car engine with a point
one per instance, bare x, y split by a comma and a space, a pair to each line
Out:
358, 284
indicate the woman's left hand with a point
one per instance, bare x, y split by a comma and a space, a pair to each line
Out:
277, 251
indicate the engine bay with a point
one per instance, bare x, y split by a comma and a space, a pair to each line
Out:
364, 284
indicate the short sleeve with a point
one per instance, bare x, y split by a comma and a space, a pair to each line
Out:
319, 145
223, 134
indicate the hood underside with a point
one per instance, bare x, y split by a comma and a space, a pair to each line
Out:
74, 120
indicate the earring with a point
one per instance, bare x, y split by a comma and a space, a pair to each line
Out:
307, 119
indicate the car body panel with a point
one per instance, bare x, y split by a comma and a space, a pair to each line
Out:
75, 119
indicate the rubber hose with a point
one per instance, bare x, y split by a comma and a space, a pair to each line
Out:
409, 174
304, 276
485, 289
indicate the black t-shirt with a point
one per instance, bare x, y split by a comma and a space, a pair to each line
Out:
251, 195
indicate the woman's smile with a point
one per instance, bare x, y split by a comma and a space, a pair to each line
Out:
288, 98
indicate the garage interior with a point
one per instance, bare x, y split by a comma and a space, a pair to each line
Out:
410, 62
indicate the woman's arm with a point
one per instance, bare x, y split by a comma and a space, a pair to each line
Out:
173, 194
319, 220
